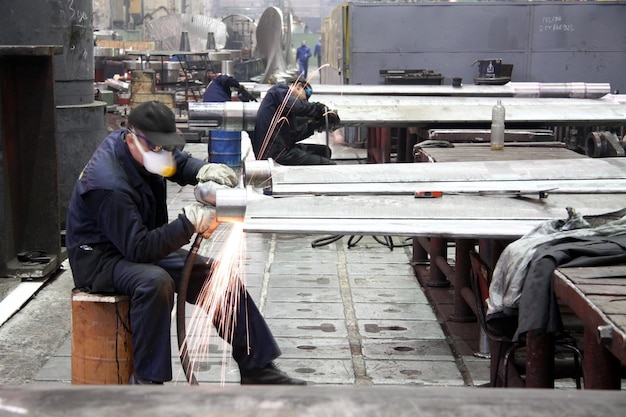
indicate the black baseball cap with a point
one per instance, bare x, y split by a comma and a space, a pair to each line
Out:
299, 80
157, 122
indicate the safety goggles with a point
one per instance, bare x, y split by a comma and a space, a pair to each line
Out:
152, 146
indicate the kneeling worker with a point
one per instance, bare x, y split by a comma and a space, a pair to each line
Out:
286, 117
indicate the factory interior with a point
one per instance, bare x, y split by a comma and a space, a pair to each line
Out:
469, 131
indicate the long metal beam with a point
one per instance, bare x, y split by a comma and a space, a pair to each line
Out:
431, 111
561, 176
511, 89
48, 400
335, 199
451, 216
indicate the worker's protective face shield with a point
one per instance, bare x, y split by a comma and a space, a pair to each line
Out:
156, 160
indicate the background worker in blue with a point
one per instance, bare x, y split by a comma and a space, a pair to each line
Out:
220, 89
119, 241
318, 52
286, 117
303, 53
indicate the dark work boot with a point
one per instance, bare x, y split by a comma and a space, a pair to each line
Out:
135, 380
268, 375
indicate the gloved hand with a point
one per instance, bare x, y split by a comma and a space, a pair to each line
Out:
203, 218
219, 174
322, 108
244, 95
231, 82
330, 119
333, 119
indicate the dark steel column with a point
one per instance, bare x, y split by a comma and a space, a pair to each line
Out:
462, 270
438, 248
601, 368
540, 360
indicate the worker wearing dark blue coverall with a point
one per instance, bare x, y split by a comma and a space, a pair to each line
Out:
286, 117
303, 53
318, 52
221, 87
119, 241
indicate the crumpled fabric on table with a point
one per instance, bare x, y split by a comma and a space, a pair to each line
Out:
513, 266
538, 305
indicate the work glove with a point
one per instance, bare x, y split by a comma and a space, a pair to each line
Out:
219, 174
329, 119
322, 108
244, 95
203, 218
333, 119
231, 82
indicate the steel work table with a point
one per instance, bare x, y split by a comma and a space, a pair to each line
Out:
434, 249
597, 295
481, 152
378, 199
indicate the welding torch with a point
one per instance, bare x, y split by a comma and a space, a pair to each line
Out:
230, 207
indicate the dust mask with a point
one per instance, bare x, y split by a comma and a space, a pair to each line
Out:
161, 163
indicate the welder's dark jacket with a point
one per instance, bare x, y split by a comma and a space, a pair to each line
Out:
218, 89
289, 128
118, 210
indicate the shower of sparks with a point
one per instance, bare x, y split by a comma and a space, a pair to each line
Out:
218, 302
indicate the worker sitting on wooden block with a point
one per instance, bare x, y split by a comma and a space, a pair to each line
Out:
119, 241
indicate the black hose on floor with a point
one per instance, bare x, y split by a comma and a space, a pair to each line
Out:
180, 310
354, 239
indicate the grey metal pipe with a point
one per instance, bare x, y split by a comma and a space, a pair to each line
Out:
511, 89
258, 173
562, 90
230, 203
229, 115
403, 111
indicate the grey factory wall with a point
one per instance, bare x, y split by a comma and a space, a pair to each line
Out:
545, 42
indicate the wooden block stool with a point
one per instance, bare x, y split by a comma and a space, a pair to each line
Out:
101, 339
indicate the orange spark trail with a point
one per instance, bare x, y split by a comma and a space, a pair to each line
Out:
216, 308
